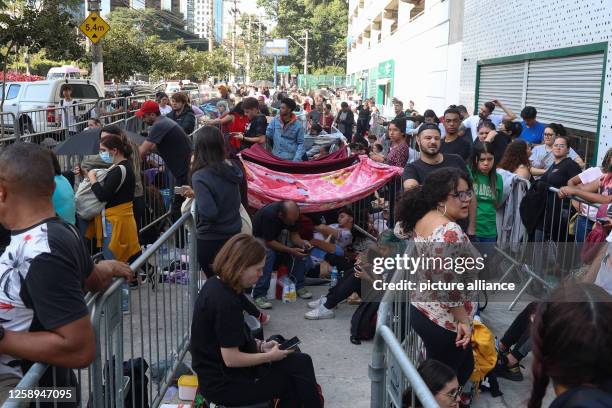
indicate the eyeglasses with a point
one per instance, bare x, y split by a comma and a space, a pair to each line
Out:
560, 146
455, 393
463, 195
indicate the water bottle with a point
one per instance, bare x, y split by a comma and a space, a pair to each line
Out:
334, 277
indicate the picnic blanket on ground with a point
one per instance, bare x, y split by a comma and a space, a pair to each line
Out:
335, 161
317, 192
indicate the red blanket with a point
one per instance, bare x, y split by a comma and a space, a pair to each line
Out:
317, 192
335, 161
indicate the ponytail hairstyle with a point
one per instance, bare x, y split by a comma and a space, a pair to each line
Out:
113, 141
417, 202
558, 128
482, 148
571, 340
514, 128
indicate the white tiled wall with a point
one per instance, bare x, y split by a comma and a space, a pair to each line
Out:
512, 27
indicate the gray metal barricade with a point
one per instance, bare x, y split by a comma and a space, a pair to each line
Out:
376, 212
552, 253
397, 350
8, 133
156, 327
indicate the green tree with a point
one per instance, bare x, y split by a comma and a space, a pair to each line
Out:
125, 53
44, 24
151, 22
327, 25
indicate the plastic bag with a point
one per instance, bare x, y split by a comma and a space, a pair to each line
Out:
289, 291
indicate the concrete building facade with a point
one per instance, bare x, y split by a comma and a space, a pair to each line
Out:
409, 49
550, 54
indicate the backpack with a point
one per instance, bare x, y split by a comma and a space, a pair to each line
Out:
87, 204
533, 205
485, 354
363, 322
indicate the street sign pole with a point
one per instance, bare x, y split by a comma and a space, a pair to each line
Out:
97, 64
275, 69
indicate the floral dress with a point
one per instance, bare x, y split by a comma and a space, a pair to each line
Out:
446, 242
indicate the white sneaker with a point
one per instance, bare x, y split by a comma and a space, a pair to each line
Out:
320, 313
316, 303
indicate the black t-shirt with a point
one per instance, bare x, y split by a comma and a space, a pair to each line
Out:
560, 173
218, 321
363, 114
256, 127
458, 146
500, 143
5, 238
42, 272
173, 146
264, 110
418, 170
108, 190
267, 225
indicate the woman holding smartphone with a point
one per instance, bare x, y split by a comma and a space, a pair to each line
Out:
232, 367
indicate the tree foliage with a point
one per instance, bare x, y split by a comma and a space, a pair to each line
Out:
327, 25
130, 48
45, 24
151, 22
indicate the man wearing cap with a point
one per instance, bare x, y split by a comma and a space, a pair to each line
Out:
172, 144
287, 133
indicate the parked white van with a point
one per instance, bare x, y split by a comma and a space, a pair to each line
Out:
35, 104
64, 72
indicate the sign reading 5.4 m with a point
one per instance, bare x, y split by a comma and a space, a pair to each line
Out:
94, 27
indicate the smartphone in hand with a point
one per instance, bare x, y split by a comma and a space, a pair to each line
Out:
290, 344
180, 190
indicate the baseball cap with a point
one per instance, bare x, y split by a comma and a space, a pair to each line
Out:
148, 106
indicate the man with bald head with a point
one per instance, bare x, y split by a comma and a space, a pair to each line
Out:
268, 223
44, 273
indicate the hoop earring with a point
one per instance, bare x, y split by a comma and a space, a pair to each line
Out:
438, 210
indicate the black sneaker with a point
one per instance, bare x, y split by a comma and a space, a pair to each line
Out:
512, 373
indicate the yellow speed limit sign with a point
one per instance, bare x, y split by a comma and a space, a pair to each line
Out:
94, 27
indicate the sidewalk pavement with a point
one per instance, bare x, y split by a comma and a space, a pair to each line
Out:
342, 367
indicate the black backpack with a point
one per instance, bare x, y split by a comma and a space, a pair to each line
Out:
363, 322
533, 205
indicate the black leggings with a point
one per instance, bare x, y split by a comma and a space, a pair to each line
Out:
292, 380
345, 287
207, 251
440, 345
517, 334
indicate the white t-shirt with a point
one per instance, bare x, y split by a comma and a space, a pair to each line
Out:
68, 113
164, 110
343, 239
473, 121
588, 176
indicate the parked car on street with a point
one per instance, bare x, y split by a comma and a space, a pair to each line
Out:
34, 105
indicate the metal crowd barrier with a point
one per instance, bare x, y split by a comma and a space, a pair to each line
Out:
376, 212
139, 351
397, 349
551, 254
7, 122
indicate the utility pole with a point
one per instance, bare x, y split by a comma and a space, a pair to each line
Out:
306, 55
247, 78
234, 12
211, 26
97, 64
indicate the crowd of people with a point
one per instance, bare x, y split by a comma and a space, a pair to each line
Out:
455, 168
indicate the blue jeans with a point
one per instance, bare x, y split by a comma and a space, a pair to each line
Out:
582, 228
297, 269
108, 255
